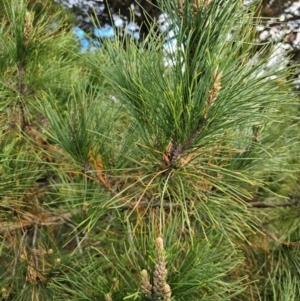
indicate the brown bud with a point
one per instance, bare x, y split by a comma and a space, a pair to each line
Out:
159, 243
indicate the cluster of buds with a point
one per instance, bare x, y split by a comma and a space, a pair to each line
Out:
108, 297
200, 3
213, 93
146, 285
160, 290
195, 5
5, 293
29, 16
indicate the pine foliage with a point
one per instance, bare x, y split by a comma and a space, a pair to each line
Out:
144, 173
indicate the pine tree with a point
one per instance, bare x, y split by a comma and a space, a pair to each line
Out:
147, 173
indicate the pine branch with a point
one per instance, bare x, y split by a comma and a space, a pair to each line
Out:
63, 217
276, 239
32, 220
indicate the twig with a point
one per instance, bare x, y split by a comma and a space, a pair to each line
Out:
76, 237
276, 239
268, 205
271, 235
155, 203
112, 216
34, 246
145, 190
21, 71
97, 176
64, 217
89, 171
32, 220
